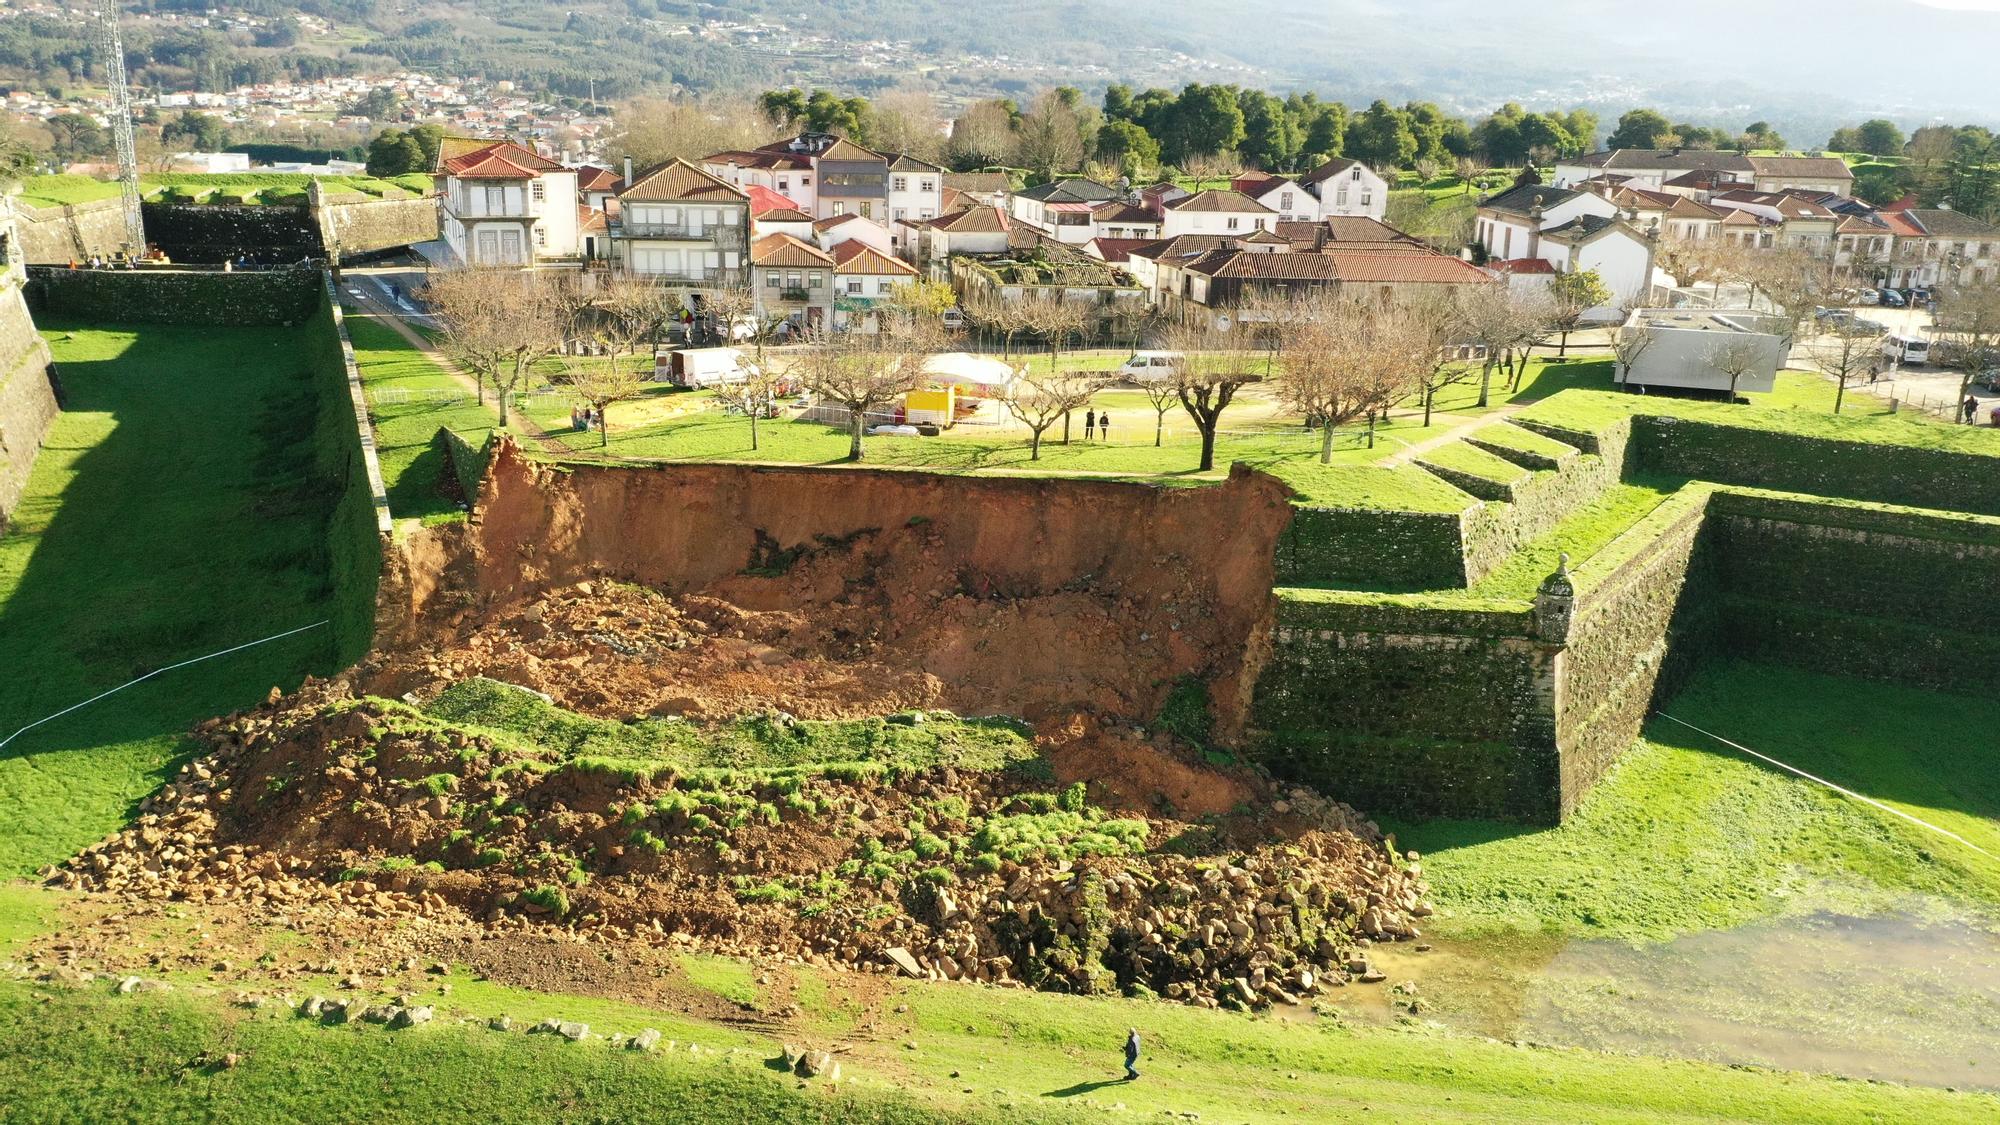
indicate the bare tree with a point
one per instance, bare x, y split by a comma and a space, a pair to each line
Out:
756, 393
500, 323
862, 371
1340, 364
1037, 401
1050, 138
603, 380
1202, 167
1427, 169
1469, 169
995, 315
1207, 376
1433, 323
1055, 320
1162, 395
1846, 351
654, 130
1499, 319
1735, 356
1629, 343
1970, 314
907, 121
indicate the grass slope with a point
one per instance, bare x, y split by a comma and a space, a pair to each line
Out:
410, 398
170, 514
1688, 835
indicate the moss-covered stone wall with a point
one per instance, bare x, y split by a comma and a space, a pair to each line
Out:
164, 296
27, 398
1819, 466
1883, 593
1373, 547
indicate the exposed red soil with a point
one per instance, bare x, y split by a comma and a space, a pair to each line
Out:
1033, 598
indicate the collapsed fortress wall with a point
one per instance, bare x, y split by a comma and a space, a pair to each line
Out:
1020, 595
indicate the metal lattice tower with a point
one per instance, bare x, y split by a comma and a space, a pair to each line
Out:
121, 127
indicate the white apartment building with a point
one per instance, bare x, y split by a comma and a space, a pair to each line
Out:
503, 205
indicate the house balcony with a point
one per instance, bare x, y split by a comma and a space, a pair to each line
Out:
695, 279
799, 295
679, 232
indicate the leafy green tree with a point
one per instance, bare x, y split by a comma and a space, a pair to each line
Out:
1581, 125
378, 104
1759, 134
1880, 137
76, 136
430, 138
1127, 145
1499, 136
1382, 137
1270, 135
1640, 128
1428, 124
200, 132
1117, 104
1847, 138
785, 108
394, 152
1325, 129
1571, 295
1545, 130
1204, 119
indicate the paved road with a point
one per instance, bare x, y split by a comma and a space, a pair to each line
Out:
1924, 387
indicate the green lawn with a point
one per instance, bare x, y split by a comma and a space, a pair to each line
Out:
1802, 404
250, 187
1582, 534
959, 1053
410, 397
172, 512
1686, 834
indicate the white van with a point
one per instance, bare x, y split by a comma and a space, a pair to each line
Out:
1149, 367
1906, 349
701, 367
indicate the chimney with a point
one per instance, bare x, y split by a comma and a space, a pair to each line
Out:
628, 171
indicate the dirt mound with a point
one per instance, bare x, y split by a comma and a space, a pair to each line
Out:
324, 802
1028, 597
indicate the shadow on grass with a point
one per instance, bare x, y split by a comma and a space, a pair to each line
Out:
175, 512
1084, 1088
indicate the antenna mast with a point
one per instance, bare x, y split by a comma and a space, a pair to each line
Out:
121, 128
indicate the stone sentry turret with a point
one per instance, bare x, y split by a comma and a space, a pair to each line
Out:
1555, 604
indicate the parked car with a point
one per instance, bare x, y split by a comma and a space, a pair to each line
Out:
1988, 380
1906, 349
1867, 297
1894, 300
1832, 316
952, 317
1149, 367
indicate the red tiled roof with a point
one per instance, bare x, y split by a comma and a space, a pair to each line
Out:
679, 180
495, 160
832, 221
1407, 266
784, 250
1522, 266
856, 256
773, 161
1119, 211
971, 220
1116, 250
590, 177
1219, 200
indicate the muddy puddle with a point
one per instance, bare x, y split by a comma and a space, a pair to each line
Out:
1894, 997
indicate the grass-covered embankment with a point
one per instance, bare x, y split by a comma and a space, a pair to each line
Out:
1686, 834
184, 502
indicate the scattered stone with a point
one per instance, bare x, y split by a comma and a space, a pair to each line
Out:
644, 1041
904, 961
411, 1017
500, 1023
812, 1064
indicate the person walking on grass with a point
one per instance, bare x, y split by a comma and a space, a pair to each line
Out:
1089, 424
1132, 1054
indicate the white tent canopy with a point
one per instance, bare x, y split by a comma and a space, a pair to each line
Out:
967, 369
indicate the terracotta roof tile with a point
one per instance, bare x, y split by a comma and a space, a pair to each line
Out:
679, 180
784, 250
857, 257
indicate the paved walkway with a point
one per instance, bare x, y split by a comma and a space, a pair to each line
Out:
1446, 436
378, 307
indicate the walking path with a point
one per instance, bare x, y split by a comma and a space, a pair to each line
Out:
1417, 449
385, 313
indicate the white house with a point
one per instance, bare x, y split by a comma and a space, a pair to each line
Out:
978, 231
1801, 173
775, 168
834, 230
1216, 211
1651, 167
1119, 219
863, 279
680, 225
1507, 223
916, 193
1347, 187
793, 279
1062, 209
1291, 202
503, 205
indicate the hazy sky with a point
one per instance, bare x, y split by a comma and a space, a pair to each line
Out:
1983, 5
